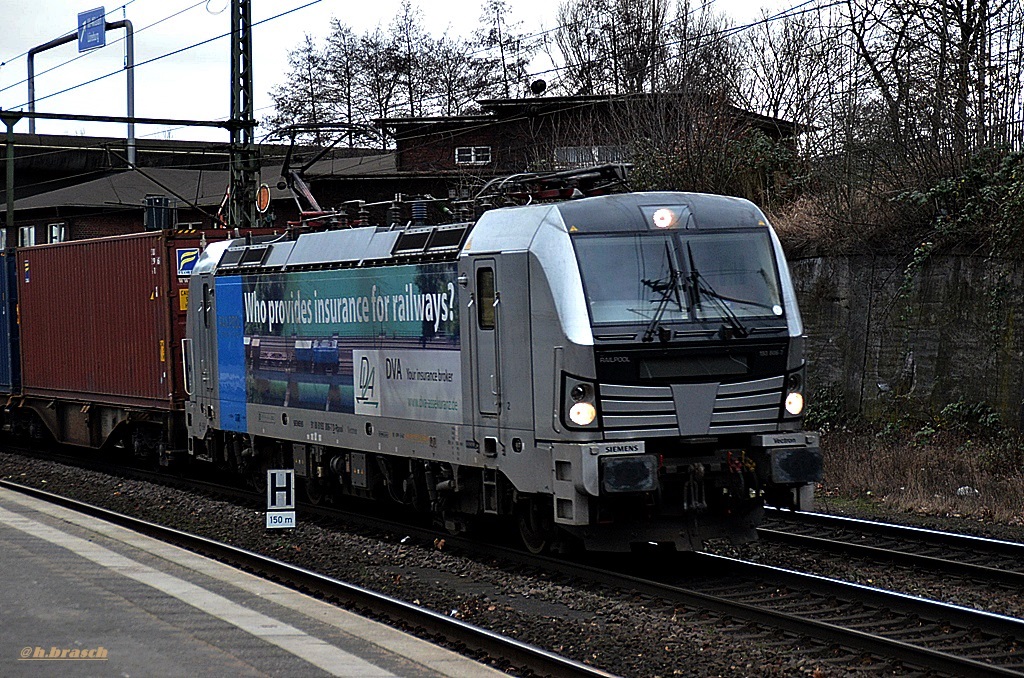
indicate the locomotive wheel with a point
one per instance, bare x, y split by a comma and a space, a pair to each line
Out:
257, 479
256, 473
314, 491
536, 526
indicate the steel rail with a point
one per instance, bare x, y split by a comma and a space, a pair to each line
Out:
939, 613
891, 529
912, 536
434, 624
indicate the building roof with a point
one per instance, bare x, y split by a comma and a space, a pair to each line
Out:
384, 164
202, 187
497, 111
506, 107
433, 120
129, 189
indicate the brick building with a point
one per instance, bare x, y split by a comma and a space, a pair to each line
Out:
555, 133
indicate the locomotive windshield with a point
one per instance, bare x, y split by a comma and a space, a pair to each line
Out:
672, 276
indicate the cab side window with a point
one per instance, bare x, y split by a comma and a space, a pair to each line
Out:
485, 293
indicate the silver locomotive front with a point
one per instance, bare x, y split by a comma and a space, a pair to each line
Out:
664, 353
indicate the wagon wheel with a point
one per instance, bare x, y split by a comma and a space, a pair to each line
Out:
536, 525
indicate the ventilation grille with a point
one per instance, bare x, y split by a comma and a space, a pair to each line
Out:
650, 411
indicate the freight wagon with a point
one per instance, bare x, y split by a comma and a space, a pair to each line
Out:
93, 347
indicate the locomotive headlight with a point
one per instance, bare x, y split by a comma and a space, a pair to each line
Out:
582, 414
794, 396
795, 403
664, 218
579, 403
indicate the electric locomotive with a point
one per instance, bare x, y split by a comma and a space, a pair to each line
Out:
616, 371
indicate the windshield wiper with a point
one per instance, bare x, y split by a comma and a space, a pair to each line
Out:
669, 289
732, 327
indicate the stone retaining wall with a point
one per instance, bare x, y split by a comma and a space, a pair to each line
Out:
885, 342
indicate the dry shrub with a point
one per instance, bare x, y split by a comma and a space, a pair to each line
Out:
803, 225
858, 223
927, 471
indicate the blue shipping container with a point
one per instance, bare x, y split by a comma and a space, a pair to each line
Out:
10, 362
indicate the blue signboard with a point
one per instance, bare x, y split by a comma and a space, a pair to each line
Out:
92, 29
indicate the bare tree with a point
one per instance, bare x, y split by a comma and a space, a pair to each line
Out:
455, 76
306, 95
1005, 78
896, 97
938, 71
342, 64
412, 46
787, 67
638, 44
378, 76
506, 50
583, 47
611, 46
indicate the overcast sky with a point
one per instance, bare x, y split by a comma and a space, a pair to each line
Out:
194, 84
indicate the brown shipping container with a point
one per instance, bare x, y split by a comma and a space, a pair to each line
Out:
102, 320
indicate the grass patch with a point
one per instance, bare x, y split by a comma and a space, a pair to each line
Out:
959, 463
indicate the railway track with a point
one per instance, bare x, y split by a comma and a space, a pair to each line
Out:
990, 561
887, 628
917, 633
